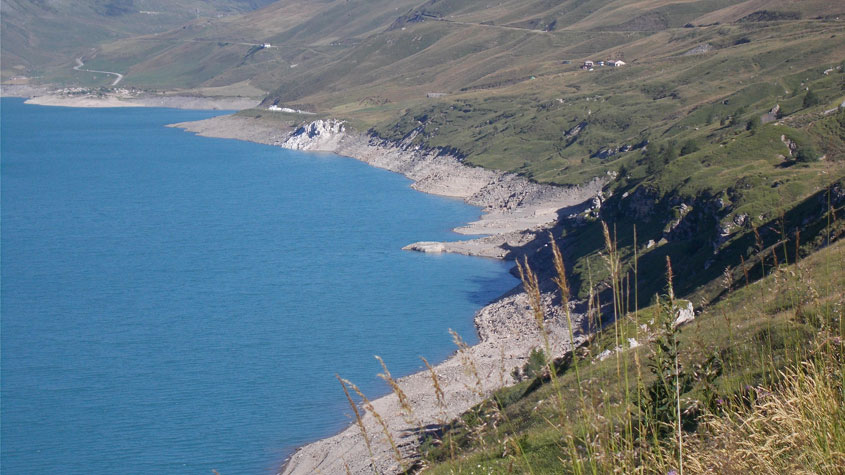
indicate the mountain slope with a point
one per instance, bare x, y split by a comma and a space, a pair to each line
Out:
721, 140
677, 131
38, 36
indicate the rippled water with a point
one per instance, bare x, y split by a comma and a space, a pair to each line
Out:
177, 304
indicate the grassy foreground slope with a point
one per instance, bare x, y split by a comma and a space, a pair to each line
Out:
755, 383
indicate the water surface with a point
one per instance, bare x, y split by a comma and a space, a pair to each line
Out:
177, 304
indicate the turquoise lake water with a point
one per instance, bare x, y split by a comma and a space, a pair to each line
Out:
177, 304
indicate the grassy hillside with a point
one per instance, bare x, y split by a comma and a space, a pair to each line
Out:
403, 49
716, 136
41, 39
683, 133
754, 383
721, 142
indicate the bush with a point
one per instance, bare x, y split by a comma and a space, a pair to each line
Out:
651, 157
533, 368
690, 146
807, 154
753, 124
670, 152
811, 99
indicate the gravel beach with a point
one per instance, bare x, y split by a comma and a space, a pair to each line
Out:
80, 97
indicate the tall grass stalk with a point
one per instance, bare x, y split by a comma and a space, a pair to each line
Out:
614, 264
471, 369
440, 397
468, 364
404, 403
744, 270
359, 421
531, 285
669, 279
372, 410
637, 363
620, 295
594, 294
563, 285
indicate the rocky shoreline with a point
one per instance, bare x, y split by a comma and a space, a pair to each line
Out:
515, 209
517, 217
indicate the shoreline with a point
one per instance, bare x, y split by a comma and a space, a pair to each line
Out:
517, 217
515, 210
88, 98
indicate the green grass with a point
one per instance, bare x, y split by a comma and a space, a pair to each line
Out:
741, 342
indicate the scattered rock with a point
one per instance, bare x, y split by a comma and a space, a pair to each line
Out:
791, 146
683, 314
700, 49
426, 246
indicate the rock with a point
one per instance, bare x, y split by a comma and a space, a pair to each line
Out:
700, 49
791, 146
605, 153
641, 203
426, 246
683, 314
574, 131
318, 135
771, 116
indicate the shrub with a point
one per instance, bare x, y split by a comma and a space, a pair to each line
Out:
689, 147
670, 152
811, 99
533, 368
753, 124
807, 154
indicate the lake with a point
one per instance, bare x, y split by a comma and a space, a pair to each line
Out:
178, 304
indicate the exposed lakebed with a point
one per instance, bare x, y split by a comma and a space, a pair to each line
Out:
177, 304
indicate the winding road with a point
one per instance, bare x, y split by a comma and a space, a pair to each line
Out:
79, 65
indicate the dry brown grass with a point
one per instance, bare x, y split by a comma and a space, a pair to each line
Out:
799, 427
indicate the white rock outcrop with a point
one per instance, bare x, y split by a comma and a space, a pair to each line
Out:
684, 314
319, 135
511, 203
